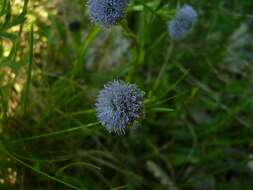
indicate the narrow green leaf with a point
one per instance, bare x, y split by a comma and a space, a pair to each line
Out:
8, 35
78, 65
29, 71
162, 110
56, 132
7, 14
3, 7
39, 171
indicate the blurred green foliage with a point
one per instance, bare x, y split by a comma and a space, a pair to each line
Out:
197, 128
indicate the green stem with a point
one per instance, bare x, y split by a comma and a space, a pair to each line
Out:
78, 64
129, 33
133, 37
29, 71
163, 68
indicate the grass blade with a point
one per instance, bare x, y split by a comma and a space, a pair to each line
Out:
29, 72
56, 132
39, 171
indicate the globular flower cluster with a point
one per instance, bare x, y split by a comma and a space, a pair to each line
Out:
118, 105
107, 12
183, 22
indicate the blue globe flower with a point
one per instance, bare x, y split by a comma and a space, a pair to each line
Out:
183, 22
107, 12
118, 105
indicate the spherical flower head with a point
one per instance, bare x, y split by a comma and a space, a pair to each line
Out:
183, 22
107, 12
118, 105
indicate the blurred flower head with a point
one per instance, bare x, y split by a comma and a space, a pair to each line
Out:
119, 104
107, 12
183, 22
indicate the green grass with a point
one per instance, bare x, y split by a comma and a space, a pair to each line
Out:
197, 126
